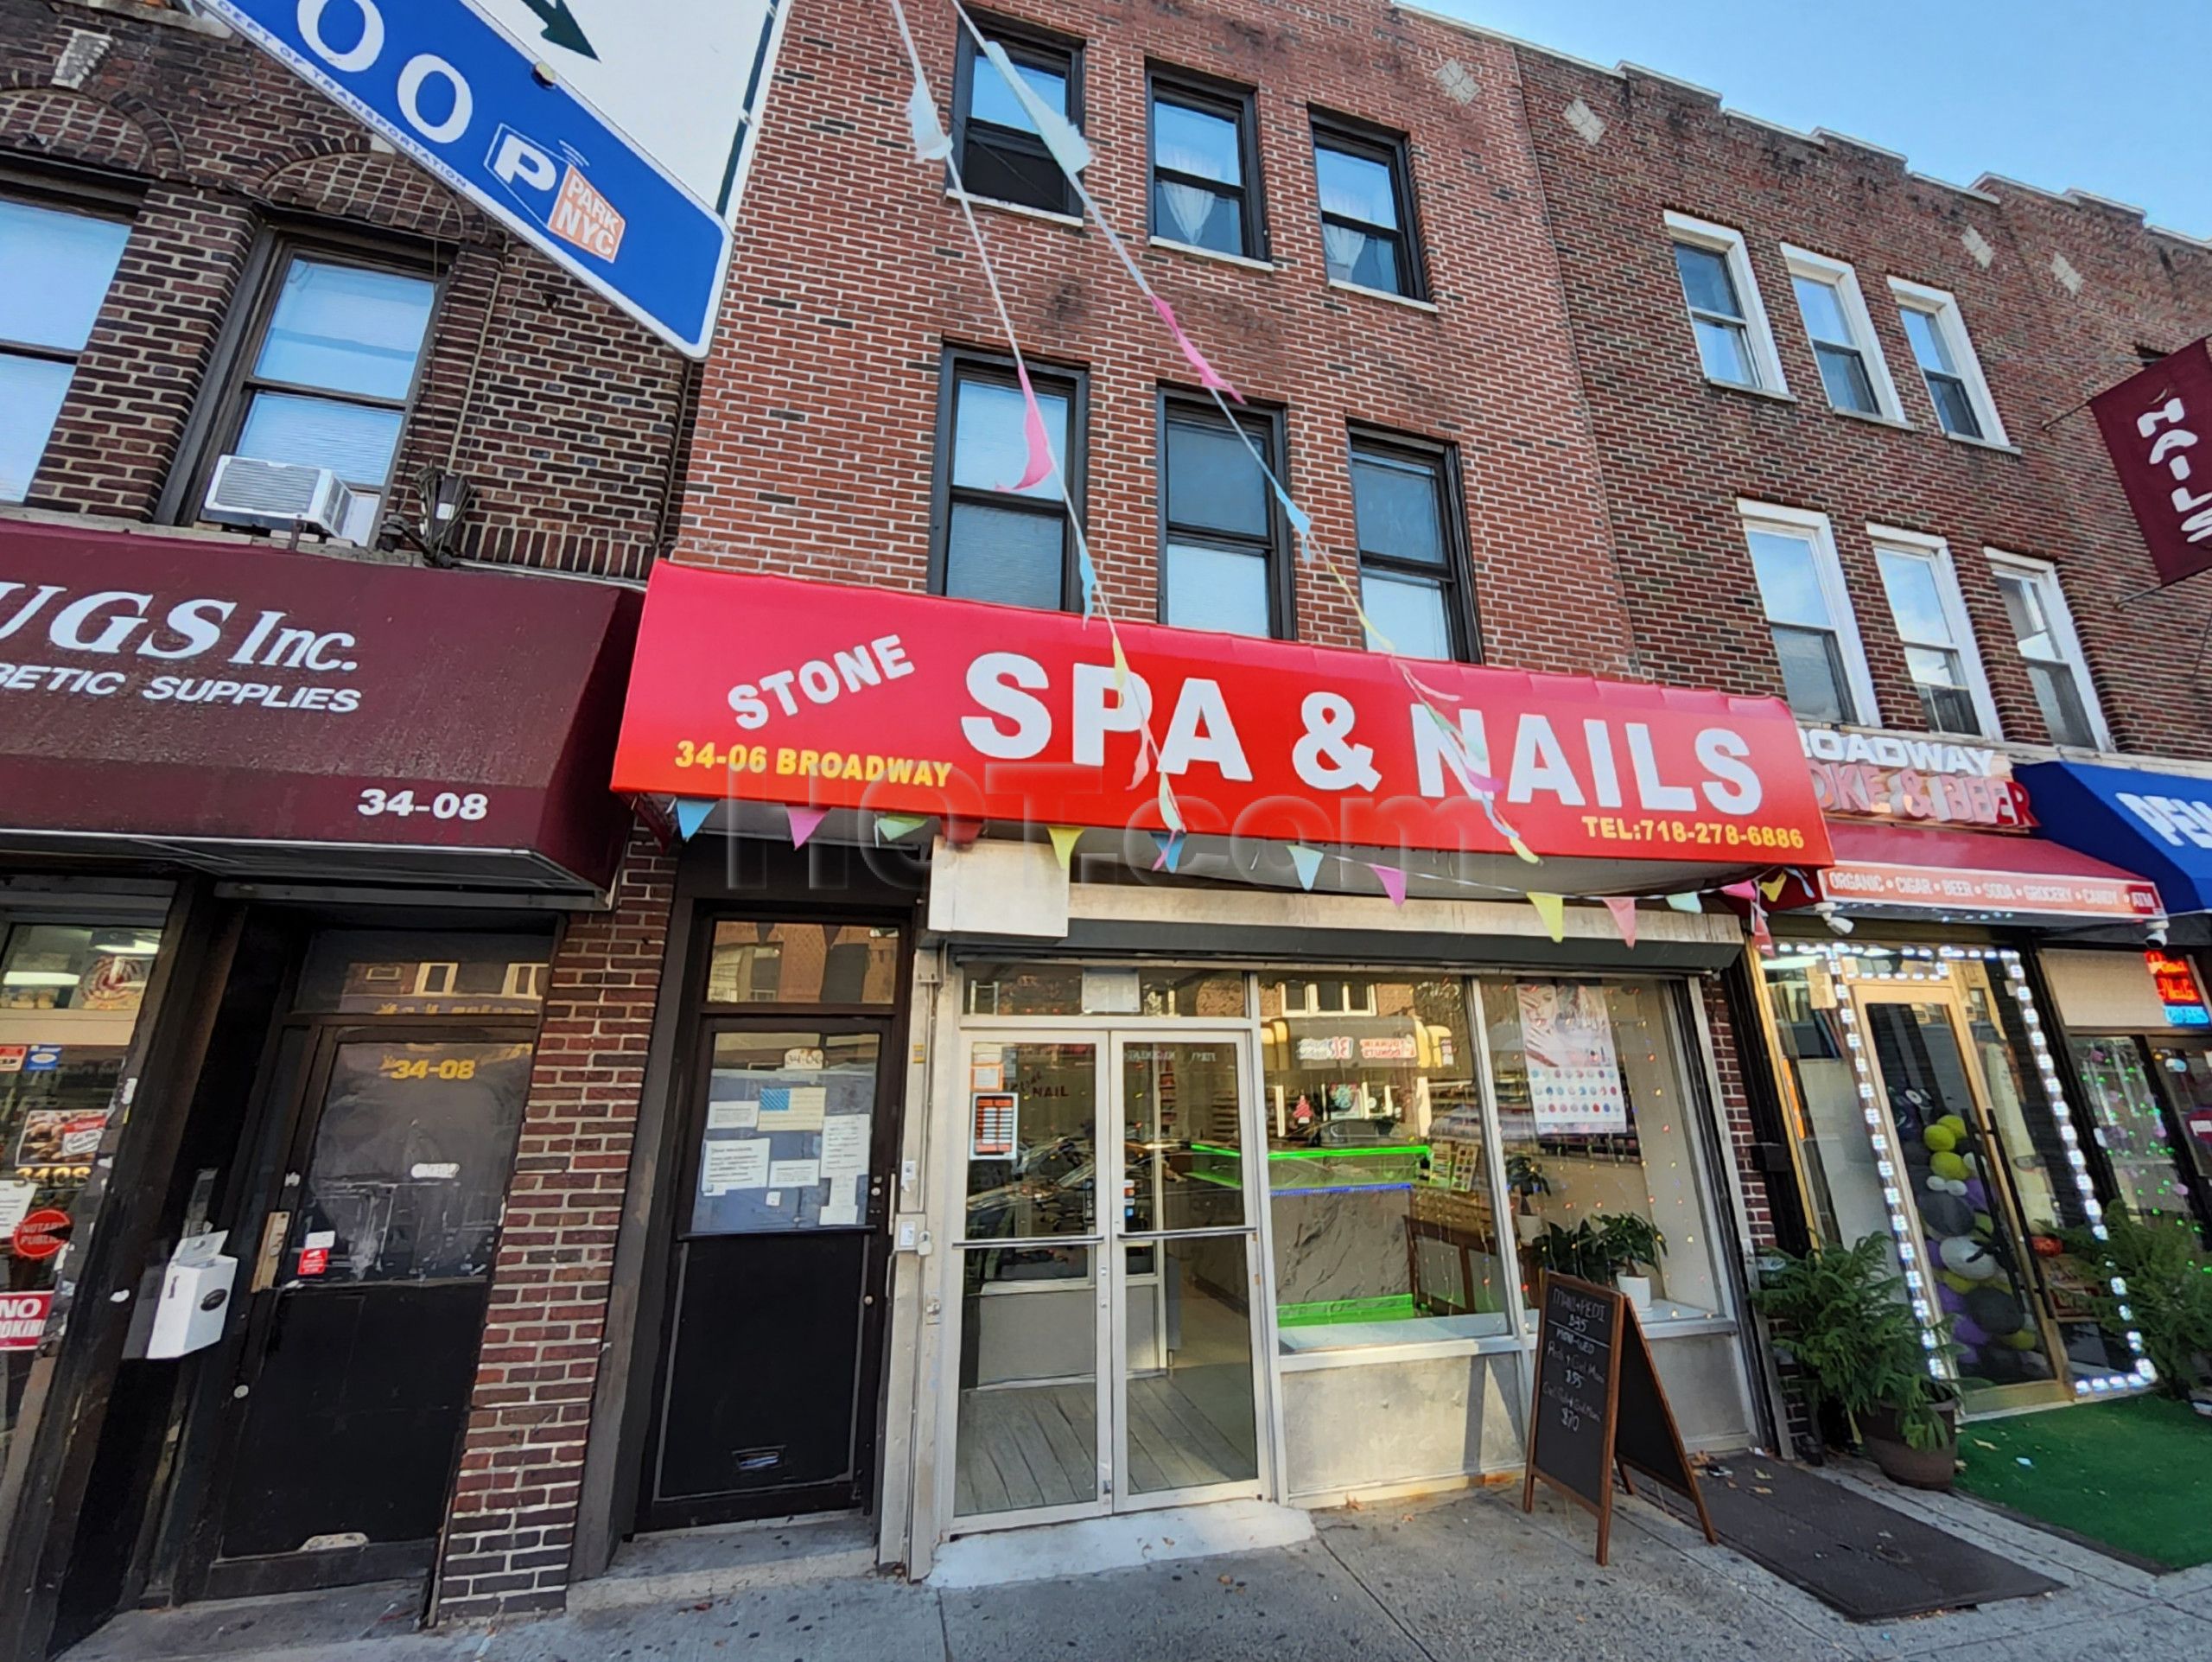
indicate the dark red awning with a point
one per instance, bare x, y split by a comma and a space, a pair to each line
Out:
1960, 872
244, 709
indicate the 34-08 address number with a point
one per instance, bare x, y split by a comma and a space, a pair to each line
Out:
441, 805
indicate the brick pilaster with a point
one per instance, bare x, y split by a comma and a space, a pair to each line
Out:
512, 1520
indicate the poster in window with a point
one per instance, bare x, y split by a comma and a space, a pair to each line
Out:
1575, 1075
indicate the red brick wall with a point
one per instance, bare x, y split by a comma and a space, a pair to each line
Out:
853, 272
1676, 452
514, 1509
568, 416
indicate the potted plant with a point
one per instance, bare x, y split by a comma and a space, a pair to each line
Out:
2168, 1282
1629, 1241
1841, 1314
1525, 1175
1603, 1252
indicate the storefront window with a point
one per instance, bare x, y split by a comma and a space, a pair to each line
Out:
70, 996
1601, 1155
1092, 990
2146, 1164
802, 963
1384, 1226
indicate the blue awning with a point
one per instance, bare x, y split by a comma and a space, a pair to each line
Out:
2160, 824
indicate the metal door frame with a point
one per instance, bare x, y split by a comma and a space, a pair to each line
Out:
2027, 1394
653, 1514
1106, 1038
286, 1140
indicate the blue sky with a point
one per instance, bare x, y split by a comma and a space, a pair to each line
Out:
2108, 96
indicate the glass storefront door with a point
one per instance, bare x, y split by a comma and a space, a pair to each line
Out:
1965, 1175
1108, 1273
2154, 1171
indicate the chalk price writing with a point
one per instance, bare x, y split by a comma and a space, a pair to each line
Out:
422, 1067
1704, 833
441, 805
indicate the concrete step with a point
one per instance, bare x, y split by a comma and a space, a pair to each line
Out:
690, 1566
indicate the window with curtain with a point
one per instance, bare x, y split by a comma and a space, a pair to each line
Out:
1002, 155
1932, 625
334, 367
1409, 579
1013, 546
1221, 566
2043, 629
1794, 588
55, 267
1366, 210
1204, 173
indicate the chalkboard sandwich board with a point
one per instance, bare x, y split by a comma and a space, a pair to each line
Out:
1599, 1407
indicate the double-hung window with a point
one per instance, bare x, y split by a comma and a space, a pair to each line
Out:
1937, 332
1205, 183
1002, 155
1411, 581
55, 267
1809, 614
1922, 589
2043, 629
331, 368
1013, 546
1222, 565
1735, 345
1366, 187
1852, 372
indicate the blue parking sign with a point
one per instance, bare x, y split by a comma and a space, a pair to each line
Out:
494, 121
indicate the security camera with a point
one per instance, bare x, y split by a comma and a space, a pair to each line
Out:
1837, 923
2156, 933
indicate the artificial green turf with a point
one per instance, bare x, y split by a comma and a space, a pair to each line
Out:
2135, 1474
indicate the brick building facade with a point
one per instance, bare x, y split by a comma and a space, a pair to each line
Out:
1541, 363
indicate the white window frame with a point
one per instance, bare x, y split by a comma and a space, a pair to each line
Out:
1941, 307
1766, 362
1858, 680
2045, 577
1918, 545
1840, 276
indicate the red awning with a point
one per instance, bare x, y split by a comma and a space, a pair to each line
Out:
243, 708
767, 690
1959, 872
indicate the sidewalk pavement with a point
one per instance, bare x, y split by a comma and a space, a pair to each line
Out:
1468, 1579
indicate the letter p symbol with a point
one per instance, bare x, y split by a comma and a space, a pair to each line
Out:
517, 162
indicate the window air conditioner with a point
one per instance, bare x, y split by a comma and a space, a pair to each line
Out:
278, 495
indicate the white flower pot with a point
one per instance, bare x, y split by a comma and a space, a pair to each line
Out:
1637, 1291
1526, 1227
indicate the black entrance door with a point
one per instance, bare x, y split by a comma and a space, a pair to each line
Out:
765, 1400
367, 1306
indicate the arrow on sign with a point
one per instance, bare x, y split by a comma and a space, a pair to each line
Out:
562, 28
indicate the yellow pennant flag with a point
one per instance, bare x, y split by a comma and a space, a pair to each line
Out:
1064, 840
1773, 887
1552, 909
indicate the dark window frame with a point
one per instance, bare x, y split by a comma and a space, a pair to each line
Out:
1393, 149
1218, 97
226, 394
1463, 615
1058, 52
1070, 381
1171, 402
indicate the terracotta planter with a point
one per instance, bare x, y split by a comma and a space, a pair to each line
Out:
1916, 1468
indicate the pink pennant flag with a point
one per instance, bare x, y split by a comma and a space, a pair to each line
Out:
1033, 429
804, 823
1624, 911
1761, 936
1392, 881
1745, 890
1209, 376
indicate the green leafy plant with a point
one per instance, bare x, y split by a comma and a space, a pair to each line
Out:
1841, 1313
1601, 1249
1525, 1175
2168, 1282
